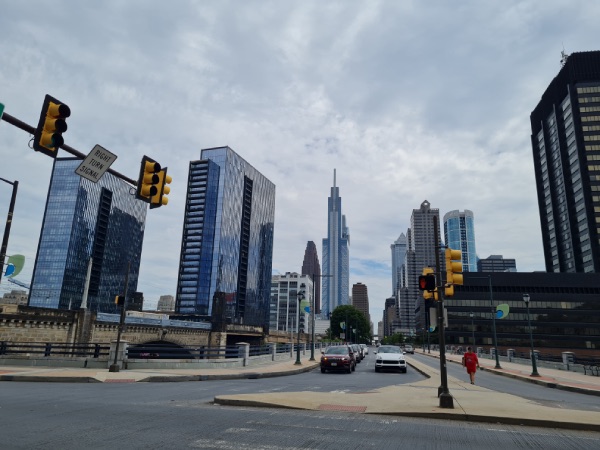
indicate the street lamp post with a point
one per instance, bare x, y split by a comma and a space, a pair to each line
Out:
312, 313
471, 315
11, 207
534, 372
489, 277
300, 298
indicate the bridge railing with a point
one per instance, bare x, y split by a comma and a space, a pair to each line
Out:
50, 349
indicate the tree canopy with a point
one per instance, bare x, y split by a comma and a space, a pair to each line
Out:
355, 320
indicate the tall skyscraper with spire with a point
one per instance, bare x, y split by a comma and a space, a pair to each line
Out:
398, 256
311, 266
336, 255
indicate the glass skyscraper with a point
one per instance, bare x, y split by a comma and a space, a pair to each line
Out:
227, 243
83, 220
459, 234
336, 256
398, 248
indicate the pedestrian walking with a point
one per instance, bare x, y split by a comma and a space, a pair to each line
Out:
471, 362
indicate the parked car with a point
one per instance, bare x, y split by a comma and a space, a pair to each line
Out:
365, 349
409, 349
390, 357
338, 358
357, 352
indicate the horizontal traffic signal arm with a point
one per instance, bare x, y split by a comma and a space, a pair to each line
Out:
31, 130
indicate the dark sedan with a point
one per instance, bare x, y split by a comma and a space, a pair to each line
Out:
338, 358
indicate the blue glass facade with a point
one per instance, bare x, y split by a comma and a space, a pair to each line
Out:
83, 220
459, 234
336, 256
227, 242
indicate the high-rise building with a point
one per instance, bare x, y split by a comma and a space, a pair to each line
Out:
422, 247
565, 139
398, 257
166, 303
311, 266
85, 223
284, 312
496, 263
336, 256
227, 243
459, 234
360, 299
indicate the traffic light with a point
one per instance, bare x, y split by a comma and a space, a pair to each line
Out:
427, 280
119, 300
453, 271
47, 137
149, 180
427, 284
161, 199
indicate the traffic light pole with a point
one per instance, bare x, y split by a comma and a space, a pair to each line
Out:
31, 130
11, 208
115, 366
446, 400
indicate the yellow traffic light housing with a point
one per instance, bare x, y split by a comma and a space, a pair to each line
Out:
453, 271
427, 284
161, 199
149, 180
119, 300
47, 137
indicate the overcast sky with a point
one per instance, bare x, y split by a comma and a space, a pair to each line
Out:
408, 100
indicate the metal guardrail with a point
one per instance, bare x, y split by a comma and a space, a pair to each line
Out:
49, 349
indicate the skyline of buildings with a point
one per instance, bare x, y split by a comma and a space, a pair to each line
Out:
96, 227
565, 139
284, 312
336, 255
227, 241
311, 266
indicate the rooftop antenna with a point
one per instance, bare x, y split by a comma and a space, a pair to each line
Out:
563, 57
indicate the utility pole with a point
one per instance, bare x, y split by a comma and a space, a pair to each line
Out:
11, 208
115, 367
446, 400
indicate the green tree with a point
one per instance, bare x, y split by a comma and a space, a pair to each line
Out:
394, 339
354, 319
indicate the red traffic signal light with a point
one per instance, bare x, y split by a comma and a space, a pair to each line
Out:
47, 137
427, 282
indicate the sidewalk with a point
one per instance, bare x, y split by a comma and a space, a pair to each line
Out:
471, 402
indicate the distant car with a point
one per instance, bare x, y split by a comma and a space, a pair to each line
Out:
409, 349
338, 358
365, 349
357, 352
390, 357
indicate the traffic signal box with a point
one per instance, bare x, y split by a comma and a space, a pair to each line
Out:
47, 137
453, 271
119, 300
152, 183
427, 284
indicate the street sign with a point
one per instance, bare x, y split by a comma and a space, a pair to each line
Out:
95, 164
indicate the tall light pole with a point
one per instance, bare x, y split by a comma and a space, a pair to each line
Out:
300, 296
489, 277
11, 207
534, 372
471, 315
312, 313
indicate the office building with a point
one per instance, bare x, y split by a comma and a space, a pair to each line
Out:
459, 234
166, 303
227, 243
564, 312
398, 249
496, 263
285, 311
85, 223
565, 139
422, 247
360, 299
311, 266
336, 256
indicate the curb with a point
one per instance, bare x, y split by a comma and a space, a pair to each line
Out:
49, 379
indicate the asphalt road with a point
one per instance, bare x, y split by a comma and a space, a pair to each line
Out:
554, 398
182, 415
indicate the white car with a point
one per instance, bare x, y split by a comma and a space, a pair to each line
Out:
390, 357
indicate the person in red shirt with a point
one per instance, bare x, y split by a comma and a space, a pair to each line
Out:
471, 362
